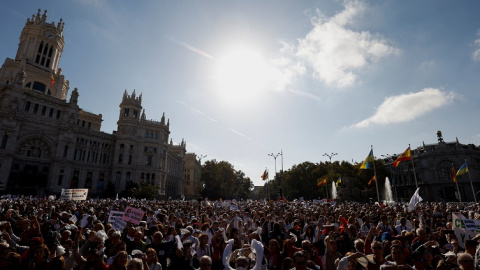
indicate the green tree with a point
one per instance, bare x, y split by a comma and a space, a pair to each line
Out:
221, 180
145, 191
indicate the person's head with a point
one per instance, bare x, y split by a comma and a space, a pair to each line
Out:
403, 221
422, 235
11, 260
41, 252
205, 263
471, 247
418, 259
397, 254
241, 263
300, 260
352, 264
157, 238
121, 259
377, 248
135, 264
115, 237
273, 245
465, 261
306, 245
92, 255
137, 236
359, 244
203, 238
331, 244
151, 255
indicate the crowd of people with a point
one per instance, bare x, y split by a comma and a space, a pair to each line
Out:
39, 233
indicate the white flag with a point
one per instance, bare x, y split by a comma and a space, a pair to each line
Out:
414, 200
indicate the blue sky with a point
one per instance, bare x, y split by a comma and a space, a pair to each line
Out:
242, 79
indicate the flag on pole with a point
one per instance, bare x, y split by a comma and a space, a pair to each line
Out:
339, 182
265, 175
463, 169
322, 183
414, 200
367, 163
403, 157
454, 178
372, 180
52, 80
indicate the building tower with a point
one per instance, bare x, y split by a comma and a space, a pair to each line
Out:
38, 54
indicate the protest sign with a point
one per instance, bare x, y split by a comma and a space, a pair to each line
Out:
119, 224
74, 194
464, 228
114, 214
133, 215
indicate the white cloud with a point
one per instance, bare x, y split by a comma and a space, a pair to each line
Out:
407, 107
334, 52
476, 50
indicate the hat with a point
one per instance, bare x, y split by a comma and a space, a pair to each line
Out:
37, 240
136, 252
60, 250
187, 242
386, 236
450, 253
190, 228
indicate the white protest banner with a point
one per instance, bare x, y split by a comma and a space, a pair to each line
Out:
233, 207
470, 224
119, 224
84, 221
113, 215
133, 215
460, 229
74, 194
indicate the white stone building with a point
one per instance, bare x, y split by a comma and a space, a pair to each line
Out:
49, 143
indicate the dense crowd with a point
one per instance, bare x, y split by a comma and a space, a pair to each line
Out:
56, 234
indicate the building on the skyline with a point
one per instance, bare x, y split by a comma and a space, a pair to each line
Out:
49, 143
193, 174
432, 165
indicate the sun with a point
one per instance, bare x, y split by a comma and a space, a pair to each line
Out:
241, 74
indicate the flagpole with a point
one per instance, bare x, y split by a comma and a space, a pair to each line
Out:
268, 185
375, 174
413, 166
456, 182
473, 190
326, 187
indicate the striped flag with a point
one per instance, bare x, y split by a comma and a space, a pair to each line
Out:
371, 180
265, 175
367, 163
405, 156
463, 169
322, 183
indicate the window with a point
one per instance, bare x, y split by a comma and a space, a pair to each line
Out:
101, 181
65, 151
58, 114
149, 161
50, 113
60, 177
120, 158
44, 54
44, 109
27, 106
89, 125
88, 180
156, 136
125, 112
146, 134
38, 86
129, 159
151, 135
35, 108
83, 123
4, 140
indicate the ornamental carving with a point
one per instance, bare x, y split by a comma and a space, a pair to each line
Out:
36, 148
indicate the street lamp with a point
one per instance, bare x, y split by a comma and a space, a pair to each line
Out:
200, 158
275, 158
330, 156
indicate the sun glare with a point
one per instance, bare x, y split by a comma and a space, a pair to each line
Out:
241, 75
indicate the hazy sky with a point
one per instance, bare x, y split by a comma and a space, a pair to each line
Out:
242, 79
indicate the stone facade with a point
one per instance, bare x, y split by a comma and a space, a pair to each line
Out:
432, 166
49, 143
193, 174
